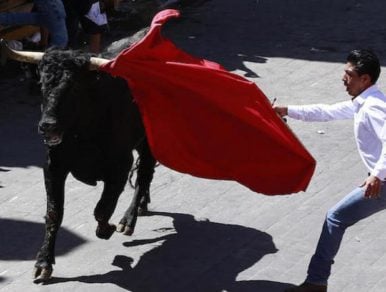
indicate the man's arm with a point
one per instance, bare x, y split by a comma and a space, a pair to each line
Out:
318, 112
374, 182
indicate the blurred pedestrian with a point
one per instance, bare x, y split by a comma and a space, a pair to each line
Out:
91, 15
48, 14
368, 109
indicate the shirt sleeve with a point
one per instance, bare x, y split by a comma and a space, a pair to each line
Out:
95, 14
379, 127
322, 112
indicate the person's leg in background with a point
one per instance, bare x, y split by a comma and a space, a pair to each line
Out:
95, 43
94, 23
72, 22
53, 18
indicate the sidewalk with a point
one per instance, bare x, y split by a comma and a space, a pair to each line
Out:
208, 235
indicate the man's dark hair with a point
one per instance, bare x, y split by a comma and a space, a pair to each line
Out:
365, 62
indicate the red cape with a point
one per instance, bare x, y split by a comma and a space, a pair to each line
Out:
203, 120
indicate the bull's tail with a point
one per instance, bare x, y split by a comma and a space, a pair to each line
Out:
133, 170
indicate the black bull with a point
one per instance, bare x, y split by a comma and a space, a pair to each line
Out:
91, 125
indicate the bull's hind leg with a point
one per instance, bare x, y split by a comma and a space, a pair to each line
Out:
114, 186
54, 179
145, 176
141, 197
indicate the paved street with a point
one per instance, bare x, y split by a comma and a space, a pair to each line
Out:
205, 235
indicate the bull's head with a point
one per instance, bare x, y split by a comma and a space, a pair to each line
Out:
59, 71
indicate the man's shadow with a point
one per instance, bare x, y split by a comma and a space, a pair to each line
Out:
199, 256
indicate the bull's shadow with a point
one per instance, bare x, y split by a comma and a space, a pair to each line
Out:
199, 256
20, 240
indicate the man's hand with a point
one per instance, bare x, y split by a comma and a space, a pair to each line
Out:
282, 111
372, 186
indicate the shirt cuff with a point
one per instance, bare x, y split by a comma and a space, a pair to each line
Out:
381, 174
293, 111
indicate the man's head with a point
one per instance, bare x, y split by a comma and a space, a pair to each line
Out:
361, 71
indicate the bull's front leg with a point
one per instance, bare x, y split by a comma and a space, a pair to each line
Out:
54, 179
113, 187
141, 199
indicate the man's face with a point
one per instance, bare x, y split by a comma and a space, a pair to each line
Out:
355, 84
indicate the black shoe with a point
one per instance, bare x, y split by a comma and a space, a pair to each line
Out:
307, 287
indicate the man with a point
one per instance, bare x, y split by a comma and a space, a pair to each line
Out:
368, 109
49, 14
92, 16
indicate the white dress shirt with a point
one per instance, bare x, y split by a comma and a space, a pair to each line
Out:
96, 16
369, 112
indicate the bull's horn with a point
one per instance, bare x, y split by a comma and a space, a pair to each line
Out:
21, 56
95, 62
35, 57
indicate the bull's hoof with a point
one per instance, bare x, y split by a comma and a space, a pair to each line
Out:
105, 231
120, 228
126, 230
42, 275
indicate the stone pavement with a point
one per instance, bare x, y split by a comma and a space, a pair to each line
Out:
206, 235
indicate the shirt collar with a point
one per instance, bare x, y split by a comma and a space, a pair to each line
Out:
359, 100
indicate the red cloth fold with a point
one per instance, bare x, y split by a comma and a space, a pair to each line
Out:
203, 120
